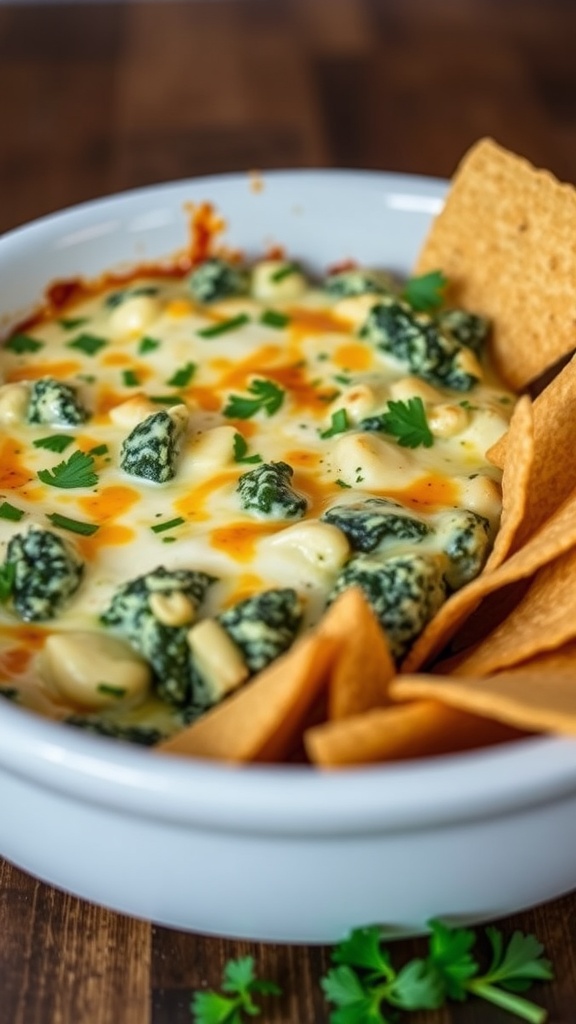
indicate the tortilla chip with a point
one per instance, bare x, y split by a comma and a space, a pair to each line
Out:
419, 729
555, 537
506, 241
361, 673
539, 696
264, 720
544, 620
515, 481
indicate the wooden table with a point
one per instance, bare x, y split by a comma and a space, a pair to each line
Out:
101, 97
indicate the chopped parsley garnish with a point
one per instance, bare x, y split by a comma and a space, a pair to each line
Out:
147, 344
425, 293
77, 471
285, 271
111, 691
100, 449
406, 421
267, 398
241, 450
170, 524
89, 344
21, 343
339, 423
7, 577
164, 399
342, 378
366, 986
130, 379
273, 318
8, 511
55, 442
240, 984
70, 324
224, 327
117, 298
342, 483
73, 525
182, 377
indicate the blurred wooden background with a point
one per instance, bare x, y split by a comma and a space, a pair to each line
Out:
100, 97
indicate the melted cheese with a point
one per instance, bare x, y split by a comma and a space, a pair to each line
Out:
150, 353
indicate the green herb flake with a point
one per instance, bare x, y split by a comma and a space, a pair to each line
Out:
7, 578
182, 377
164, 399
71, 324
78, 471
406, 421
54, 442
342, 483
22, 343
73, 525
169, 525
273, 318
224, 327
10, 512
89, 344
147, 345
426, 292
283, 272
100, 449
130, 379
241, 450
267, 398
108, 690
338, 424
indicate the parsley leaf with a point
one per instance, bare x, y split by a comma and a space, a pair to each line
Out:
21, 343
147, 344
274, 318
286, 270
182, 377
365, 982
268, 398
130, 379
73, 525
89, 344
78, 471
7, 577
241, 450
10, 512
339, 423
240, 982
54, 442
406, 421
224, 326
425, 293
70, 324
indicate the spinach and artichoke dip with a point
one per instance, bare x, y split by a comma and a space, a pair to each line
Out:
194, 465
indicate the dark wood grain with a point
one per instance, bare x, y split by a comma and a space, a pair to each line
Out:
102, 97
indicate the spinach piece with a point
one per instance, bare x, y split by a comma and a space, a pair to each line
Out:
151, 449
165, 648
417, 341
46, 573
51, 401
368, 524
217, 279
468, 329
142, 735
345, 284
466, 537
404, 592
266, 489
263, 626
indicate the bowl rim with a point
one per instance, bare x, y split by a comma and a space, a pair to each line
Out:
275, 799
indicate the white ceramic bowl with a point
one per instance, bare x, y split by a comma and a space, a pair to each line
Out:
283, 854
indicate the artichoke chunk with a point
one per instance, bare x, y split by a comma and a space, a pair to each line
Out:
51, 401
165, 647
47, 572
466, 537
417, 341
216, 279
368, 524
151, 449
404, 592
263, 626
266, 489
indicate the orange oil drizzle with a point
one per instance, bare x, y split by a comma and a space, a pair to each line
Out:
109, 503
109, 535
192, 505
429, 490
239, 539
13, 472
33, 371
353, 357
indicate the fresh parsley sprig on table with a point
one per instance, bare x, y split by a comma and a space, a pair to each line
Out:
240, 985
367, 989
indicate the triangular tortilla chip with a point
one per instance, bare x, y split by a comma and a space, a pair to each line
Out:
505, 240
516, 480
